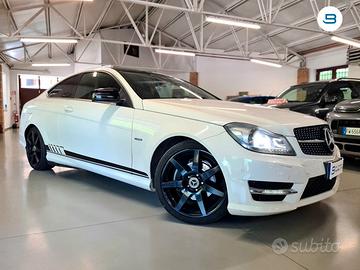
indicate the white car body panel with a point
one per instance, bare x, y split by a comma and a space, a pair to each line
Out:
240, 165
104, 128
133, 179
221, 113
126, 138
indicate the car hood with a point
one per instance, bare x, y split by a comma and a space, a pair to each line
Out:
348, 106
223, 112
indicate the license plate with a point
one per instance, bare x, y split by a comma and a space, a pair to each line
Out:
334, 168
351, 131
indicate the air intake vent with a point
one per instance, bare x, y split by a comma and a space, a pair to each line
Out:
354, 55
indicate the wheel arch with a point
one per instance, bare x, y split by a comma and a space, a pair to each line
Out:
28, 128
36, 125
162, 148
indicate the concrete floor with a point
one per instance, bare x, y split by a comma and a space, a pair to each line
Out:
73, 219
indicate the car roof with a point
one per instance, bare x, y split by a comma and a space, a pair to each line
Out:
328, 82
312, 83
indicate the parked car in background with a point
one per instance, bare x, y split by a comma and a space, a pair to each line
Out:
318, 98
345, 124
252, 99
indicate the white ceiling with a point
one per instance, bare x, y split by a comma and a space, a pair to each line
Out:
15, 13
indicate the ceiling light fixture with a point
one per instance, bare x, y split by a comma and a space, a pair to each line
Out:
49, 40
346, 41
51, 65
232, 22
265, 63
175, 52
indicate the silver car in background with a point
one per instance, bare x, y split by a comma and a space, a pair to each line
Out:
345, 124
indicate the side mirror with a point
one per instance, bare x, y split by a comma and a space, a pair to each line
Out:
107, 95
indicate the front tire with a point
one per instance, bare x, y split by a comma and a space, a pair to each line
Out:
190, 184
36, 150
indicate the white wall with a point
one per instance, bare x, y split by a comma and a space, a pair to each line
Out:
225, 77
102, 54
6, 96
113, 54
89, 52
354, 71
324, 59
83, 67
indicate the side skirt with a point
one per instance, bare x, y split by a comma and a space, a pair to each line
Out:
118, 172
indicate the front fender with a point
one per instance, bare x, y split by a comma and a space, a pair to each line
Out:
151, 129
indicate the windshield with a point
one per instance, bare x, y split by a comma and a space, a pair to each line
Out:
155, 86
303, 93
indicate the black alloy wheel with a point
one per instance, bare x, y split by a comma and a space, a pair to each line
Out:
36, 151
190, 184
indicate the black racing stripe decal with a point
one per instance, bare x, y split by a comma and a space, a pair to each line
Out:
105, 163
97, 162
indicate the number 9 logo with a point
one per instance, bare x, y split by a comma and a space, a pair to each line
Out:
329, 19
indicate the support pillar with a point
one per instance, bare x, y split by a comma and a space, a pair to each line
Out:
302, 75
194, 78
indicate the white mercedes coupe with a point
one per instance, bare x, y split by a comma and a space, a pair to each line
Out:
204, 157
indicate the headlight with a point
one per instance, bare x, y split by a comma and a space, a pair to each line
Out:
259, 140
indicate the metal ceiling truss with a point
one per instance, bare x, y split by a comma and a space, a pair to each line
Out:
152, 36
307, 20
15, 27
349, 7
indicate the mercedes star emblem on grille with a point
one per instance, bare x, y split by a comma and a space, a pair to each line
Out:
329, 139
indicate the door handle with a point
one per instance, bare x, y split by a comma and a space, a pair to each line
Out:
68, 109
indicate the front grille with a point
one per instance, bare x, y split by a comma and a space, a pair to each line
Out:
310, 133
337, 125
269, 185
318, 185
312, 140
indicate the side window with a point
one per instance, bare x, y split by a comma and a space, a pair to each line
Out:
86, 86
346, 92
343, 91
91, 81
106, 81
66, 88
355, 93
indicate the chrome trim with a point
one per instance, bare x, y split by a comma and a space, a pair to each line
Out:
272, 191
311, 141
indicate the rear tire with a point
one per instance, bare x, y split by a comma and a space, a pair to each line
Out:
190, 184
36, 150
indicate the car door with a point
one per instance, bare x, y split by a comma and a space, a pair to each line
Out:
52, 109
97, 132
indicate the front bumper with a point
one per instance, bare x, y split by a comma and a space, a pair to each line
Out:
348, 145
240, 166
